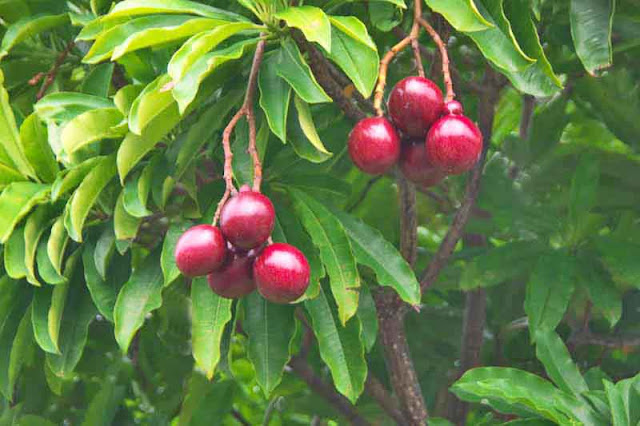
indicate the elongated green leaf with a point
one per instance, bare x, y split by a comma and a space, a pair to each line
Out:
152, 102
98, 81
206, 400
21, 349
136, 192
46, 271
331, 239
104, 405
9, 175
35, 144
620, 258
167, 259
200, 44
463, 15
63, 106
16, 201
125, 97
294, 69
368, 316
104, 291
187, 87
270, 330
105, 247
312, 21
14, 300
28, 27
56, 311
139, 296
352, 51
275, 94
591, 25
57, 244
70, 178
210, 313
623, 398
33, 229
40, 319
11, 153
130, 8
549, 291
372, 250
584, 189
603, 292
299, 140
78, 314
92, 126
555, 357
87, 194
124, 225
13, 254
340, 347
305, 119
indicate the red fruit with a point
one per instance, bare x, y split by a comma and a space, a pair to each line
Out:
416, 167
415, 104
200, 250
235, 278
454, 144
453, 107
247, 219
374, 145
281, 273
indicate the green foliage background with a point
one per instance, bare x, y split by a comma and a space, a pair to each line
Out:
122, 153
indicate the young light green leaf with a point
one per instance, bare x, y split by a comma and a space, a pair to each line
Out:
139, 296
92, 126
63, 106
46, 271
275, 94
98, 81
170, 270
13, 254
34, 227
549, 291
70, 178
40, 318
16, 200
131, 8
28, 27
552, 352
354, 28
331, 239
372, 250
105, 247
136, 193
87, 194
305, 119
210, 314
125, 97
463, 15
299, 140
341, 347
56, 311
151, 103
9, 175
270, 329
294, 69
591, 25
125, 226
312, 21
35, 144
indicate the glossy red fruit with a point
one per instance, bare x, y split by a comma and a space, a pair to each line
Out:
247, 219
415, 165
415, 104
374, 145
281, 273
454, 144
200, 250
235, 278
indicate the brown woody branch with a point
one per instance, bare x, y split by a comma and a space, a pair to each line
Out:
384, 399
50, 76
608, 341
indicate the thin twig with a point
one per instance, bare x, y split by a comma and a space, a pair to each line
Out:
364, 193
387, 401
50, 76
415, 44
446, 74
240, 418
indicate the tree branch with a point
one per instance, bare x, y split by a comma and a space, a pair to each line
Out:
612, 341
387, 401
50, 76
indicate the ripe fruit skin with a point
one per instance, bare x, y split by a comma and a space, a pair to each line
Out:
247, 219
281, 273
415, 104
454, 144
453, 107
415, 165
200, 250
235, 278
374, 145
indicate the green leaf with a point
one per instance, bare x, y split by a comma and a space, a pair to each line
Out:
270, 329
312, 21
591, 25
340, 347
9, 175
40, 319
98, 81
105, 404
167, 259
205, 401
14, 255
603, 293
125, 97
28, 27
79, 312
373, 250
549, 291
463, 15
620, 257
124, 225
35, 144
136, 192
87, 194
187, 87
130, 8
14, 300
63, 106
16, 201
34, 227
152, 102
21, 349
331, 239
210, 313
368, 316
103, 290
623, 400
56, 312
92, 126
139, 296
200, 44
552, 352
355, 53
296, 72
45, 268
584, 189
305, 119
105, 247
11, 153
297, 135
275, 94
70, 178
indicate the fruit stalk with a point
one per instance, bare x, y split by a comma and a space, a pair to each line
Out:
446, 73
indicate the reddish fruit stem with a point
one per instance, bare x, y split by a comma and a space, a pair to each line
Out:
446, 73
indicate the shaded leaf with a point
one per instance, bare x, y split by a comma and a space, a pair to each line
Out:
591, 25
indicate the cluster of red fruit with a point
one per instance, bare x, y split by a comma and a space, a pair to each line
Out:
452, 146
234, 256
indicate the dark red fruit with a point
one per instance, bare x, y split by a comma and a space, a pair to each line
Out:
247, 219
200, 250
454, 144
281, 273
374, 145
415, 165
235, 278
415, 104
453, 107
